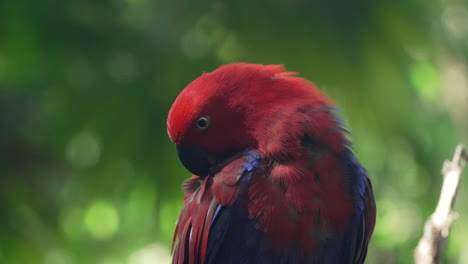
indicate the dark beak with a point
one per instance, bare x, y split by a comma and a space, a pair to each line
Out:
195, 160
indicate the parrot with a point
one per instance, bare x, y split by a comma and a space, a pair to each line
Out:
275, 178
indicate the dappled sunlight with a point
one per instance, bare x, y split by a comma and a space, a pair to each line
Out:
455, 87
399, 222
122, 67
89, 175
83, 150
151, 254
71, 222
455, 19
101, 220
58, 256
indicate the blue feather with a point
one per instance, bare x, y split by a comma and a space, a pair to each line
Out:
235, 239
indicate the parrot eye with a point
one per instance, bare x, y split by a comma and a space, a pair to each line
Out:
203, 123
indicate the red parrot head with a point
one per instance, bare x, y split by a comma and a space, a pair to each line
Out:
221, 113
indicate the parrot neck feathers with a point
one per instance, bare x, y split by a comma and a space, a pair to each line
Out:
204, 198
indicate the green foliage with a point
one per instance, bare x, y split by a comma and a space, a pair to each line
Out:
88, 174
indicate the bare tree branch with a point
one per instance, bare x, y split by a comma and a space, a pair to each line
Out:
431, 246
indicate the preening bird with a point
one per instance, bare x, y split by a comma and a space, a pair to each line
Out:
274, 179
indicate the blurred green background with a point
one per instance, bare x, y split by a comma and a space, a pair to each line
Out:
88, 174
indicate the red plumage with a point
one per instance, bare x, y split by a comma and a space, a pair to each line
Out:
301, 190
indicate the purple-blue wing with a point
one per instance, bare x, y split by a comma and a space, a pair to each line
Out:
234, 238
364, 196
351, 246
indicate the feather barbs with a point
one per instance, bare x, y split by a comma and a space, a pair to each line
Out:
294, 200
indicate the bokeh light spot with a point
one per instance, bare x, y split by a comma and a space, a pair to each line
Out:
195, 44
455, 89
426, 79
412, 180
101, 220
138, 13
230, 49
455, 20
463, 254
70, 222
207, 33
456, 246
390, 232
122, 67
109, 260
168, 216
140, 205
83, 150
58, 256
154, 253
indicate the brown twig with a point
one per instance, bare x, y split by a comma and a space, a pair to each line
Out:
436, 230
